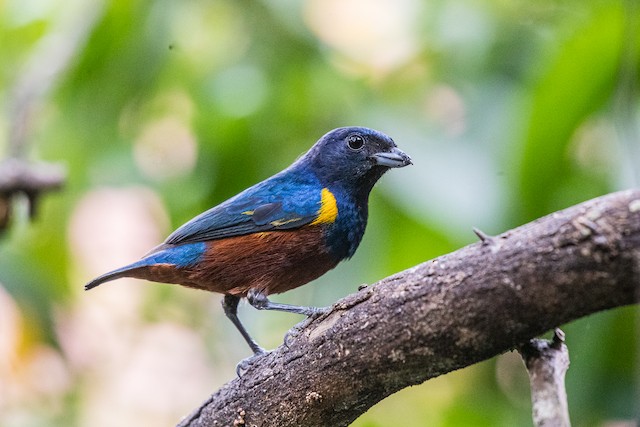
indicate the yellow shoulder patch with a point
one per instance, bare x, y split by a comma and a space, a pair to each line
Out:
328, 211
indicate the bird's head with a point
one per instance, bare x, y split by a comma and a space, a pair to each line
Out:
354, 157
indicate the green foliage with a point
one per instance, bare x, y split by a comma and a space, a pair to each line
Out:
579, 78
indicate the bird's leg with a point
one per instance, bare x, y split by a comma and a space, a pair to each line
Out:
230, 307
260, 301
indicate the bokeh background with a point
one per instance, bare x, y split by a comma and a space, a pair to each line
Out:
162, 109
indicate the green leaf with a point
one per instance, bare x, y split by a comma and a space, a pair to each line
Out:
579, 79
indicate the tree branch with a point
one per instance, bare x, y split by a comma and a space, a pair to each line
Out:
547, 363
445, 314
51, 56
19, 176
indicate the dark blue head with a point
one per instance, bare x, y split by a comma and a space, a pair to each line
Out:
353, 158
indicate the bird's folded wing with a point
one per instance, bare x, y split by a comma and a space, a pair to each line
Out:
252, 213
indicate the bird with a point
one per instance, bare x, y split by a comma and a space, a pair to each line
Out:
278, 234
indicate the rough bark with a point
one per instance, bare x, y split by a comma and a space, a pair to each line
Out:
442, 315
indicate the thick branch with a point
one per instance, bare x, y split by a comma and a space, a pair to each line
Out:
445, 314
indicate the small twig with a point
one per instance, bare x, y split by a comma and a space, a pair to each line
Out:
547, 363
485, 238
20, 177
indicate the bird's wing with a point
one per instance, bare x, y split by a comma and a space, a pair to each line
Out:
260, 208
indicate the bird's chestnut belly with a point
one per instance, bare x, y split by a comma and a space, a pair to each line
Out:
272, 262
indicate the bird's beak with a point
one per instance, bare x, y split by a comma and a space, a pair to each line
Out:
396, 158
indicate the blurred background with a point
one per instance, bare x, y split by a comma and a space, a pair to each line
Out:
161, 109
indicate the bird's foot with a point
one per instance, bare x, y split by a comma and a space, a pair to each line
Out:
245, 364
259, 300
315, 312
292, 334
312, 314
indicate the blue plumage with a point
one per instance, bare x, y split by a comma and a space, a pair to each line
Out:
291, 199
281, 233
181, 256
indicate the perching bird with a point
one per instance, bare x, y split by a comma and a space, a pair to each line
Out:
279, 234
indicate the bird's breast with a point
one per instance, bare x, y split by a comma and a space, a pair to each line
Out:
344, 234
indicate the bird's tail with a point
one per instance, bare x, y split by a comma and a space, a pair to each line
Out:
126, 271
159, 265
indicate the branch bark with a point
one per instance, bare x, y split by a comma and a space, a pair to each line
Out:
547, 363
19, 176
442, 315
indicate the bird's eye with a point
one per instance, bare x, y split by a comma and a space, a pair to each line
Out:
355, 142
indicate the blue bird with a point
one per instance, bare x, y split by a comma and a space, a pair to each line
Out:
279, 234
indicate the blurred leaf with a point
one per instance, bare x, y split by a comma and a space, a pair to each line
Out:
580, 77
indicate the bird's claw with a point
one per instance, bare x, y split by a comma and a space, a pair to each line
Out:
245, 364
314, 313
291, 335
